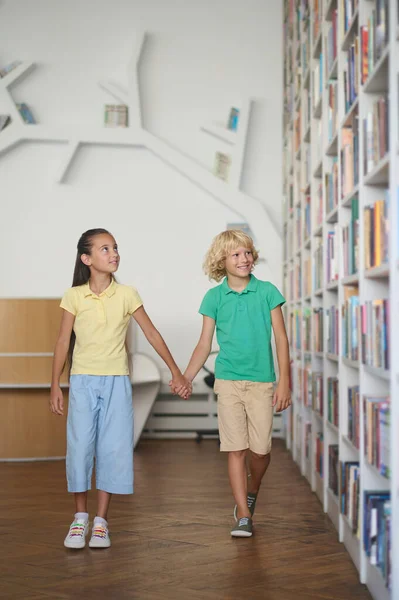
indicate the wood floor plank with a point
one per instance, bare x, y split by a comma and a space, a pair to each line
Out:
171, 539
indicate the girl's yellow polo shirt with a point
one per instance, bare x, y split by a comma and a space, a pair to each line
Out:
100, 326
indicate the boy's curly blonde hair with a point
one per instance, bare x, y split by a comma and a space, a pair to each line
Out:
222, 244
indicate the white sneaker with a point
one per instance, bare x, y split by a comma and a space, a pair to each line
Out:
76, 537
99, 536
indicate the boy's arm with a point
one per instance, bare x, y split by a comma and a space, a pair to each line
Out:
282, 395
202, 349
179, 383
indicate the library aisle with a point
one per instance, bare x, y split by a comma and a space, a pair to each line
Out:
341, 270
171, 539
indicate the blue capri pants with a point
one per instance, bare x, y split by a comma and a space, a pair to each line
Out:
100, 425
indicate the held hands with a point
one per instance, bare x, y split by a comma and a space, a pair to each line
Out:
182, 386
282, 396
57, 401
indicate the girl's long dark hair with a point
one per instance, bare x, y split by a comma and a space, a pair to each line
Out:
81, 275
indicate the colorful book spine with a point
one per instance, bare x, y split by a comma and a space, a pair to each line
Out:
333, 401
375, 333
377, 416
349, 491
317, 393
354, 415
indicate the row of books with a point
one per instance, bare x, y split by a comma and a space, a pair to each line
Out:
376, 412
349, 486
350, 240
333, 401
377, 531
374, 38
351, 74
365, 329
375, 322
376, 233
375, 134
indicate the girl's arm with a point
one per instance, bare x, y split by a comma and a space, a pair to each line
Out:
202, 349
179, 383
60, 355
282, 395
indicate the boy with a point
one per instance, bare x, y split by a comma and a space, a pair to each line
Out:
244, 310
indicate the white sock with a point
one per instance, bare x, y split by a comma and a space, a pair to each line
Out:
100, 521
81, 516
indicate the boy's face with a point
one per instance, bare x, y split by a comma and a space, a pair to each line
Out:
239, 262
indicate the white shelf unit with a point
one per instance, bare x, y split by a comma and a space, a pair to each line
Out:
309, 151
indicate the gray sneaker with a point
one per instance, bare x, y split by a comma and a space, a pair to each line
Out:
251, 501
242, 528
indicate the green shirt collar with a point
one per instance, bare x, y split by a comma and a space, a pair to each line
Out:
251, 287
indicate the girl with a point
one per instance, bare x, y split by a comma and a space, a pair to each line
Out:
96, 313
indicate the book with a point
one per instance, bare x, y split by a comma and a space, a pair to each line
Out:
10, 67
115, 115
234, 116
4, 121
222, 165
26, 113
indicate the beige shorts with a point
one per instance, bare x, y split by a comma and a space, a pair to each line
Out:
245, 415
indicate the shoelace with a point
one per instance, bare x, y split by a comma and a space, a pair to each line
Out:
243, 521
250, 501
100, 531
77, 529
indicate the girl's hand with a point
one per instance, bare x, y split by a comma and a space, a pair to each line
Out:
57, 401
282, 396
182, 386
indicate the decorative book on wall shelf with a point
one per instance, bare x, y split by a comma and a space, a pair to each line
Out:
222, 165
341, 181
26, 114
10, 67
4, 121
116, 115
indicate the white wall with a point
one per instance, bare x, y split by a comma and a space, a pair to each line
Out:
200, 59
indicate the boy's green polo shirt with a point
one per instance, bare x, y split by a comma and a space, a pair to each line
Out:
243, 329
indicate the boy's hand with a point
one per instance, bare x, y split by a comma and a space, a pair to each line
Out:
57, 401
182, 386
282, 396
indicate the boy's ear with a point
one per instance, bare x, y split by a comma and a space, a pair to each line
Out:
85, 258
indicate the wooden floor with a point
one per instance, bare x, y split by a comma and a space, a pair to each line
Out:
171, 540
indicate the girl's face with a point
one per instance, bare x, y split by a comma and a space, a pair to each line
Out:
239, 262
104, 256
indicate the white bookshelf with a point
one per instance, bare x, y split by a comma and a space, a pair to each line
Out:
309, 156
